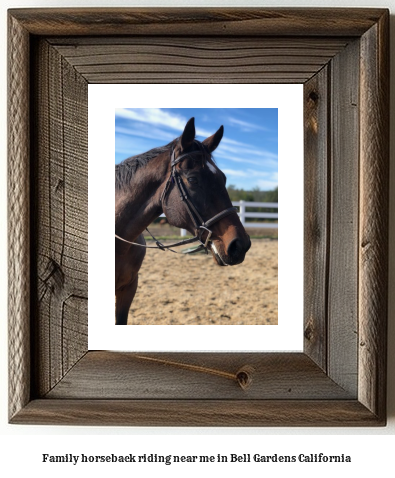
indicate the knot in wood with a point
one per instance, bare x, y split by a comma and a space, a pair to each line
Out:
244, 376
309, 331
313, 96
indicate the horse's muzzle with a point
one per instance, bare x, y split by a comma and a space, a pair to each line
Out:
235, 252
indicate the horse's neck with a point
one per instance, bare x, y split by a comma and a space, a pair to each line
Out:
136, 208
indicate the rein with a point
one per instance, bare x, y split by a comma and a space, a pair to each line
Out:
200, 225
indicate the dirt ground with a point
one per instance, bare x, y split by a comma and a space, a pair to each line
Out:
180, 289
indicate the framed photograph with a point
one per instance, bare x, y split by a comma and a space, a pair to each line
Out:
340, 60
261, 147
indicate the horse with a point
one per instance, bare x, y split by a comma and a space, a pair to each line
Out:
182, 181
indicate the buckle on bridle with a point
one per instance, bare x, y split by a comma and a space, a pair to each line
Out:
208, 236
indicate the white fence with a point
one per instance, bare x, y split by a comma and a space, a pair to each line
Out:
243, 214
257, 215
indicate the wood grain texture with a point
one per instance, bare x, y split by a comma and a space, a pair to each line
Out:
18, 218
202, 413
198, 21
346, 112
343, 255
197, 375
373, 236
316, 214
207, 60
61, 202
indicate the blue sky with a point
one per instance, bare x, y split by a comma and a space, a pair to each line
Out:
247, 154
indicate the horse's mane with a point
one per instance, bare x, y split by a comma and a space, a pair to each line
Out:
125, 170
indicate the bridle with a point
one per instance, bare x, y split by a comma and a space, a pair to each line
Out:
201, 226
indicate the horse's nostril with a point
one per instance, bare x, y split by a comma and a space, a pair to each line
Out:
235, 249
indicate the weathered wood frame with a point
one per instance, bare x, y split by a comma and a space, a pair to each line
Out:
341, 57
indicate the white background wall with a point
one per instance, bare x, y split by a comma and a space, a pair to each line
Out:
22, 447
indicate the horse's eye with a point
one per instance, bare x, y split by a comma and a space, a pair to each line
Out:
192, 180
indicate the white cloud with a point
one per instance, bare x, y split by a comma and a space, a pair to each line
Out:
153, 116
242, 157
246, 126
235, 159
234, 172
251, 165
242, 150
159, 117
151, 133
250, 178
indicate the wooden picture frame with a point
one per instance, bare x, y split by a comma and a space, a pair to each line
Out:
342, 58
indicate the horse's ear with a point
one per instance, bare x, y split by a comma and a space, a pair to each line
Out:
188, 134
213, 141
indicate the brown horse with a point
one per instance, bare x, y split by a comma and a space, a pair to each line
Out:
181, 180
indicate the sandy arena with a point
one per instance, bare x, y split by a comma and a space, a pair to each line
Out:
177, 289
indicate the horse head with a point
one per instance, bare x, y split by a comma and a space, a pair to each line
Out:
195, 198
